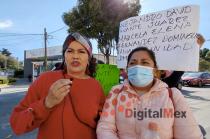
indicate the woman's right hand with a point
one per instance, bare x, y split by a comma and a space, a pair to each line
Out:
57, 92
200, 39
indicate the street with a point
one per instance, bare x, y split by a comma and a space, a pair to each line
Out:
9, 97
198, 99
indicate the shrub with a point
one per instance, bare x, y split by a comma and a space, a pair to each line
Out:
11, 80
19, 73
4, 80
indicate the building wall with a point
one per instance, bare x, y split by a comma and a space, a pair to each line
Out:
54, 54
28, 67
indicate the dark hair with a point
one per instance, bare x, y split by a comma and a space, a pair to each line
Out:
150, 53
57, 66
91, 68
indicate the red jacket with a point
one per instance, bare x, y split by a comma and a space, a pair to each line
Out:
60, 122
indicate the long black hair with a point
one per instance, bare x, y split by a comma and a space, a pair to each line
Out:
91, 68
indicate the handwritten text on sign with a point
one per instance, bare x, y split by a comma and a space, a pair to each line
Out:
171, 34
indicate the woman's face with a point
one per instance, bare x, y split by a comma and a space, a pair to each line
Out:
76, 58
141, 58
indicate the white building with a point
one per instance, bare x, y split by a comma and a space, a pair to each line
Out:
34, 59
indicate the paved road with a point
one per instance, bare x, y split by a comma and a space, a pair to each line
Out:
9, 97
198, 98
199, 101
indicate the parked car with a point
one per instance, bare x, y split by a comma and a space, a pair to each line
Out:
196, 78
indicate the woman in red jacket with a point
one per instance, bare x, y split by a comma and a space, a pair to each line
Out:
63, 104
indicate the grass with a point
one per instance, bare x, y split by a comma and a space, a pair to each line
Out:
8, 80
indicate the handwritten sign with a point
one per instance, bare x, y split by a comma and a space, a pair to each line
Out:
171, 34
108, 76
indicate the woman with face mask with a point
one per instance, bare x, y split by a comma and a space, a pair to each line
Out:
63, 104
142, 107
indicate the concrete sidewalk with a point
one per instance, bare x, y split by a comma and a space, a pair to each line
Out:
19, 81
19, 86
3, 85
22, 81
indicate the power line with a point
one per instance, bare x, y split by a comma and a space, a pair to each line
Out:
57, 30
4, 35
22, 41
56, 38
21, 33
25, 34
16, 34
16, 38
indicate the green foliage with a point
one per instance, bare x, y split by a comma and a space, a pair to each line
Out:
5, 52
4, 80
99, 19
3, 59
12, 63
19, 73
7, 61
207, 57
204, 65
20, 65
203, 52
12, 80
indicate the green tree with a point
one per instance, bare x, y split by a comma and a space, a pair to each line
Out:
5, 52
203, 52
3, 61
204, 65
207, 57
7, 61
20, 65
12, 63
99, 19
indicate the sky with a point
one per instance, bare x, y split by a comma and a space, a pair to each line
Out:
32, 16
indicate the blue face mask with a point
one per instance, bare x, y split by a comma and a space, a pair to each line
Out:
140, 76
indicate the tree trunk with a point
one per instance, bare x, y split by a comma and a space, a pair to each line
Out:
107, 59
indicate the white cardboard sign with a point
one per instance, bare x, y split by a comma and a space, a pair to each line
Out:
171, 34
